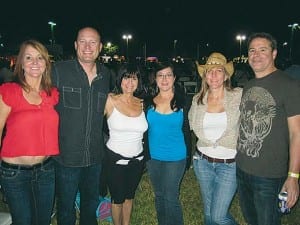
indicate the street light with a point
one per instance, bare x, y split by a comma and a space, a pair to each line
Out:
197, 53
174, 48
293, 27
1, 44
145, 53
52, 24
240, 38
127, 37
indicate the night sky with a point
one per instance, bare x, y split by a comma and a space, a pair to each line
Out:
156, 23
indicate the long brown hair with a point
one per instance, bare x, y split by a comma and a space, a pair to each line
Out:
19, 72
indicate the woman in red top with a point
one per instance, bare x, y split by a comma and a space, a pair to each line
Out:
31, 138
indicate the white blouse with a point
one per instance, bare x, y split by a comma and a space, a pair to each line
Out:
214, 125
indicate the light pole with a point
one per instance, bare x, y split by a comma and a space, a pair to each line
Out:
174, 47
145, 53
240, 38
1, 44
127, 37
293, 27
197, 53
52, 24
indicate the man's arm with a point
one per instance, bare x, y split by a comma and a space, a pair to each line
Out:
291, 185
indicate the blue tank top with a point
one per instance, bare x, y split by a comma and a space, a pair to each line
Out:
166, 139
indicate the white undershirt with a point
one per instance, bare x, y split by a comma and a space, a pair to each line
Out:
214, 125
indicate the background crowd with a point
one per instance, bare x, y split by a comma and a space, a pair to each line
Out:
247, 140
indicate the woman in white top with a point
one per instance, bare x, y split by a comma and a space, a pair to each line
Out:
126, 123
214, 118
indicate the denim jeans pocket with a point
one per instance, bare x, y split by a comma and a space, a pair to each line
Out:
231, 165
49, 167
8, 173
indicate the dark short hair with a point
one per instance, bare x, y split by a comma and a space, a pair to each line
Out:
264, 35
163, 65
125, 71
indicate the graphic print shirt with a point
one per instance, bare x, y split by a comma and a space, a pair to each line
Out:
263, 142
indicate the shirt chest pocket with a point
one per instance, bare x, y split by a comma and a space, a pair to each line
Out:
72, 97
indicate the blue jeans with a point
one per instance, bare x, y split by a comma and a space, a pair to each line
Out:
68, 181
218, 186
166, 178
29, 193
259, 198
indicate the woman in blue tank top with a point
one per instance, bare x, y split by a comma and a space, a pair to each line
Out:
168, 140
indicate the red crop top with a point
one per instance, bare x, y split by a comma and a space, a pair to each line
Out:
31, 130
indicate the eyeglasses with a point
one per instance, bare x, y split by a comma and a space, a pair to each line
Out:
166, 76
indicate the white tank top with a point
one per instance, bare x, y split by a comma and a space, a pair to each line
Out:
126, 133
214, 125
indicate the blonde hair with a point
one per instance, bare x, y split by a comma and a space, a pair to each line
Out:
204, 86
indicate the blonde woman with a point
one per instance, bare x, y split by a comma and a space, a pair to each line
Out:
214, 118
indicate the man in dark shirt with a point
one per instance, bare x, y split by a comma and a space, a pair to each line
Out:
83, 84
268, 157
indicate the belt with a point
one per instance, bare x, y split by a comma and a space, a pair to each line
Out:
214, 160
24, 167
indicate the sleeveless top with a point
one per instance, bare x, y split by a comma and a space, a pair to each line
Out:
126, 133
165, 134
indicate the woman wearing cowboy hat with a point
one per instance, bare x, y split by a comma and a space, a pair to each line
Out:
214, 118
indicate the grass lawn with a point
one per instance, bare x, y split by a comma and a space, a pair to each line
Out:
144, 211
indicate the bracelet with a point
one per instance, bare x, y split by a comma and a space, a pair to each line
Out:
295, 175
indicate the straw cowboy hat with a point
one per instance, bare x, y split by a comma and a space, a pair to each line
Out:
214, 60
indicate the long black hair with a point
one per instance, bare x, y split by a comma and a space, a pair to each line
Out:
178, 101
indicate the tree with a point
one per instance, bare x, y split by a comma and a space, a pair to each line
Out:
110, 49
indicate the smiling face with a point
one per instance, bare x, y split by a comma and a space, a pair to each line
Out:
215, 77
261, 56
88, 45
33, 63
165, 79
129, 84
